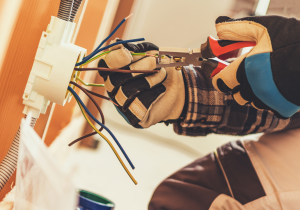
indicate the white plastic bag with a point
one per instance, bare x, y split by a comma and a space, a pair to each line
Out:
40, 183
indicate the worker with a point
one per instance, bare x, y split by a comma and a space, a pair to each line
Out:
258, 92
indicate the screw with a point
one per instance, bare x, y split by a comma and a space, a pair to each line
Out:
176, 59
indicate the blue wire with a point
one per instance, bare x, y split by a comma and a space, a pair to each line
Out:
111, 45
112, 33
120, 42
112, 135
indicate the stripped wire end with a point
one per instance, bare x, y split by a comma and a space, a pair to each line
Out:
128, 16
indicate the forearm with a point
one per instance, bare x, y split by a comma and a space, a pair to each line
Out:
211, 111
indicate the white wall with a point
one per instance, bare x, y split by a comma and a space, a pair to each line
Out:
176, 23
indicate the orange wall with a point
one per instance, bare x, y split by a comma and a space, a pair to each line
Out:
34, 16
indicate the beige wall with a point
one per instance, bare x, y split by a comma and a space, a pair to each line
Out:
176, 23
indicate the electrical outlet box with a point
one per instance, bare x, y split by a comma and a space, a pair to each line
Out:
53, 68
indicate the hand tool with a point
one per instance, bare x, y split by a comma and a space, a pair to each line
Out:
206, 56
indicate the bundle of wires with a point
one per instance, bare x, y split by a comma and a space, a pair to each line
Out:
99, 49
89, 58
85, 110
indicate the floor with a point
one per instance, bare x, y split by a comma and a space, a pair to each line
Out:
156, 152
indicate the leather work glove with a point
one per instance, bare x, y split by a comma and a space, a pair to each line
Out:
144, 99
268, 76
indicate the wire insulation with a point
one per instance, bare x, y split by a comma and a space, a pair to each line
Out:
89, 84
106, 47
82, 137
110, 35
104, 137
100, 55
94, 58
93, 100
101, 128
101, 96
99, 123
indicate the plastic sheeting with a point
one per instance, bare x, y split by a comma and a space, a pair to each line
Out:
40, 183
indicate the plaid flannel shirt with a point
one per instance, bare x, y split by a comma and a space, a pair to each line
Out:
210, 111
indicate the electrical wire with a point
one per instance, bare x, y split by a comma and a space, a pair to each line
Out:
104, 137
101, 96
94, 58
116, 70
133, 54
99, 123
82, 137
106, 47
93, 133
110, 35
93, 100
144, 54
89, 84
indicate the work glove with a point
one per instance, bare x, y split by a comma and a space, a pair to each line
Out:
268, 76
144, 99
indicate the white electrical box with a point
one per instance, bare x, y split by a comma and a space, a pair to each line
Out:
53, 68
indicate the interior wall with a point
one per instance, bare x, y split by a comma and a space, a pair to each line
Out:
33, 18
172, 23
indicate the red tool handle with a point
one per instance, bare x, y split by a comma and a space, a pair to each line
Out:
214, 48
219, 68
213, 67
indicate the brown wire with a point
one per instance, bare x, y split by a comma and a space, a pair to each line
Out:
93, 133
101, 96
116, 70
97, 106
82, 137
93, 100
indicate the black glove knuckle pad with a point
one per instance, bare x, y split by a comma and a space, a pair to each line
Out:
131, 89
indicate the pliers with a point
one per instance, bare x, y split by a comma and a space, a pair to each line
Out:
206, 57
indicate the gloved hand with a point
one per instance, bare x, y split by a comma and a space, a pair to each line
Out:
268, 76
144, 99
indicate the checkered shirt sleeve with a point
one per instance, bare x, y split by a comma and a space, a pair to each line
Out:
210, 111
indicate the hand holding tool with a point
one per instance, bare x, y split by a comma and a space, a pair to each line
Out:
144, 99
267, 76
206, 56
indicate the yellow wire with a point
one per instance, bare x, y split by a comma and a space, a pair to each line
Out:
94, 58
110, 144
89, 84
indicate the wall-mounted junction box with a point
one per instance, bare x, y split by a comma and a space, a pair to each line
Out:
53, 68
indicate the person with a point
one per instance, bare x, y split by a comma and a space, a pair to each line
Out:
257, 93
